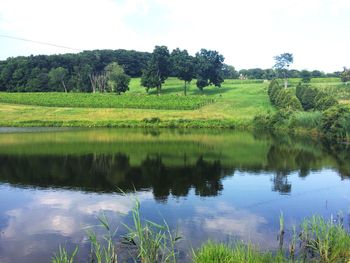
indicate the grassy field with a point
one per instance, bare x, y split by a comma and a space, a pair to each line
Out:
233, 105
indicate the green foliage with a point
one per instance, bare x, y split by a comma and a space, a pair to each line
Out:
158, 69
89, 100
155, 243
229, 72
336, 122
314, 99
325, 240
102, 251
212, 252
117, 80
282, 98
209, 65
345, 75
305, 76
62, 256
183, 66
305, 120
58, 77
325, 102
282, 63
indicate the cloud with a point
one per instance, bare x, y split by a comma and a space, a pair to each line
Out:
249, 33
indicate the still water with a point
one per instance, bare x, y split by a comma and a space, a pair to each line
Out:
210, 185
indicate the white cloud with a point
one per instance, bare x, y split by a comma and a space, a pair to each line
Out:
249, 33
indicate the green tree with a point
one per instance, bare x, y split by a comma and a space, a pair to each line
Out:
209, 65
183, 66
117, 80
345, 75
158, 69
305, 76
282, 63
229, 72
58, 76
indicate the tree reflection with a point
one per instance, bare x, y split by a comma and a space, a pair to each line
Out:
106, 172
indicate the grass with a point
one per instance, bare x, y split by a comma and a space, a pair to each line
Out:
87, 100
234, 105
212, 252
319, 240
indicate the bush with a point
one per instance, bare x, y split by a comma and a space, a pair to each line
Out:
325, 103
335, 122
283, 98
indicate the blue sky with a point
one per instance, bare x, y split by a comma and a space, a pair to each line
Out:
248, 33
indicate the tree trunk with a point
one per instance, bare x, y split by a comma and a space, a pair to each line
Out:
285, 80
64, 86
158, 89
185, 88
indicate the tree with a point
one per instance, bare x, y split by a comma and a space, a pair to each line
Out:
209, 65
183, 66
282, 64
229, 72
158, 69
305, 76
117, 80
58, 76
345, 75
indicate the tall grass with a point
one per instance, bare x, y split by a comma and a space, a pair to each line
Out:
63, 256
155, 243
102, 251
318, 240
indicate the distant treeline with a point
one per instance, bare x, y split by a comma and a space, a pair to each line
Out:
32, 73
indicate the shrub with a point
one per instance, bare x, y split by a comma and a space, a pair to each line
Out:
283, 98
262, 121
314, 99
336, 122
325, 103
273, 90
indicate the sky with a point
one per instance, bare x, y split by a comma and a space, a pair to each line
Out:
249, 33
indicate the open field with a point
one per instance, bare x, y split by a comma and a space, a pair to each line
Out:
233, 105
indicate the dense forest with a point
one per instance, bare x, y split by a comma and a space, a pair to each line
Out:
40, 73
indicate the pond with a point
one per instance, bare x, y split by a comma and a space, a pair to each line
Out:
219, 185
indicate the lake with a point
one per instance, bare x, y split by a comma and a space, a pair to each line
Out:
210, 184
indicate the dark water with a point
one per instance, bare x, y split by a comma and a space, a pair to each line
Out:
217, 185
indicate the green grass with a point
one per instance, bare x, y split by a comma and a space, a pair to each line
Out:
212, 252
319, 240
86, 100
234, 105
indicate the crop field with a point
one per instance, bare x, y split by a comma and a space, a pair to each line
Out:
86, 100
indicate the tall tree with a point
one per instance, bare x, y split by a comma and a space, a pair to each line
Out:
209, 65
282, 63
117, 80
58, 76
158, 69
183, 66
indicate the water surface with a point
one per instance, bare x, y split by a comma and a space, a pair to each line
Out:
220, 185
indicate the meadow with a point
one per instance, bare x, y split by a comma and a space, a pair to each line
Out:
233, 105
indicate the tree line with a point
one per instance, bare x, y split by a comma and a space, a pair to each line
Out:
110, 70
